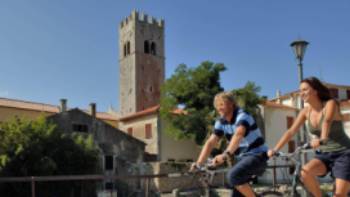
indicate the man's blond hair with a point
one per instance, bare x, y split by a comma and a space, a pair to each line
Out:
225, 96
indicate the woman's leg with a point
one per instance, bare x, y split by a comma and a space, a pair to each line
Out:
342, 188
309, 172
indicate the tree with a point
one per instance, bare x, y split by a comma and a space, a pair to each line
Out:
248, 97
192, 90
37, 148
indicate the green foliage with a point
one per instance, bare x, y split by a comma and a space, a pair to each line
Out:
248, 97
192, 89
37, 148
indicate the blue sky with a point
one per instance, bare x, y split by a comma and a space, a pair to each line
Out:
69, 48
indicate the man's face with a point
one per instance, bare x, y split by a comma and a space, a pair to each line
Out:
224, 107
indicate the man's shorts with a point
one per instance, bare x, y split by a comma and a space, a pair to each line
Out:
338, 163
243, 171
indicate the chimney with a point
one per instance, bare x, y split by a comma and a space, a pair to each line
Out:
278, 96
63, 105
93, 110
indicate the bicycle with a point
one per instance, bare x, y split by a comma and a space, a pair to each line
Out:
295, 158
205, 176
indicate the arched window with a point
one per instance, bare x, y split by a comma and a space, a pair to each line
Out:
153, 48
146, 47
124, 50
128, 47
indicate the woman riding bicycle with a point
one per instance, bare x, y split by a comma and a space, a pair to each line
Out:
245, 140
324, 123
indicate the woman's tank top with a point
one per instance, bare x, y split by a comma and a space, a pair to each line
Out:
338, 140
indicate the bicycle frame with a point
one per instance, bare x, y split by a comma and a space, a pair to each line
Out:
296, 174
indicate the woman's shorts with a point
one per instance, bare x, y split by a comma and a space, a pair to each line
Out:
338, 163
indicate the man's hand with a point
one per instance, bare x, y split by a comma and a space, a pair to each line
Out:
271, 153
194, 167
218, 160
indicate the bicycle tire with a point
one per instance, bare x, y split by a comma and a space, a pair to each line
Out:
271, 194
190, 192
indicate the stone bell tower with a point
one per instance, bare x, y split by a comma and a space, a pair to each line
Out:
141, 61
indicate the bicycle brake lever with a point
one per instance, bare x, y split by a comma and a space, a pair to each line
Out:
307, 146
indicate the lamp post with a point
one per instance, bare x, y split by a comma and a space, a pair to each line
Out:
299, 47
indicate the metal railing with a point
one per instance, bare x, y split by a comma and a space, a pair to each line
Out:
34, 179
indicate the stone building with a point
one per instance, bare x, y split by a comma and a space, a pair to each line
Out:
119, 152
141, 62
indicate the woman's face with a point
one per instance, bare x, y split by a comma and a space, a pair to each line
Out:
224, 107
307, 93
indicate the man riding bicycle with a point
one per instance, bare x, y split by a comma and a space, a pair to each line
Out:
245, 141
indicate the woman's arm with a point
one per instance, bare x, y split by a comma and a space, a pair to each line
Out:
292, 130
331, 109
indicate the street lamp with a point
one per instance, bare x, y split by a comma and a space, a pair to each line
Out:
299, 48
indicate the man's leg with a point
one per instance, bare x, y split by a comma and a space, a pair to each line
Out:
246, 190
242, 172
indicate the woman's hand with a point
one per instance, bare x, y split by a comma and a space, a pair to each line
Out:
315, 143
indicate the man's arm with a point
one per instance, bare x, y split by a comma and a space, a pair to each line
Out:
232, 147
236, 138
207, 148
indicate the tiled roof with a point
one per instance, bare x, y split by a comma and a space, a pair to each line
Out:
20, 104
42, 107
328, 85
145, 112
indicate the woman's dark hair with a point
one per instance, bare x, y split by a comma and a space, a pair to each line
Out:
322, 91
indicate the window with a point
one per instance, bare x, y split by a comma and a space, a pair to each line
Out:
80, 127
291, 148
148, 131
348, 94
124, 50
108, 162
290, 121
109, 186
334, 92
153, 48
146, 47
130, 131
128, 48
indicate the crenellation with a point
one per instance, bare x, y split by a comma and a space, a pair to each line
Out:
141, 17
134, 15
161, 23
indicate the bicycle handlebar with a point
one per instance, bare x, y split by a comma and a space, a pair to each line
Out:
305, 146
